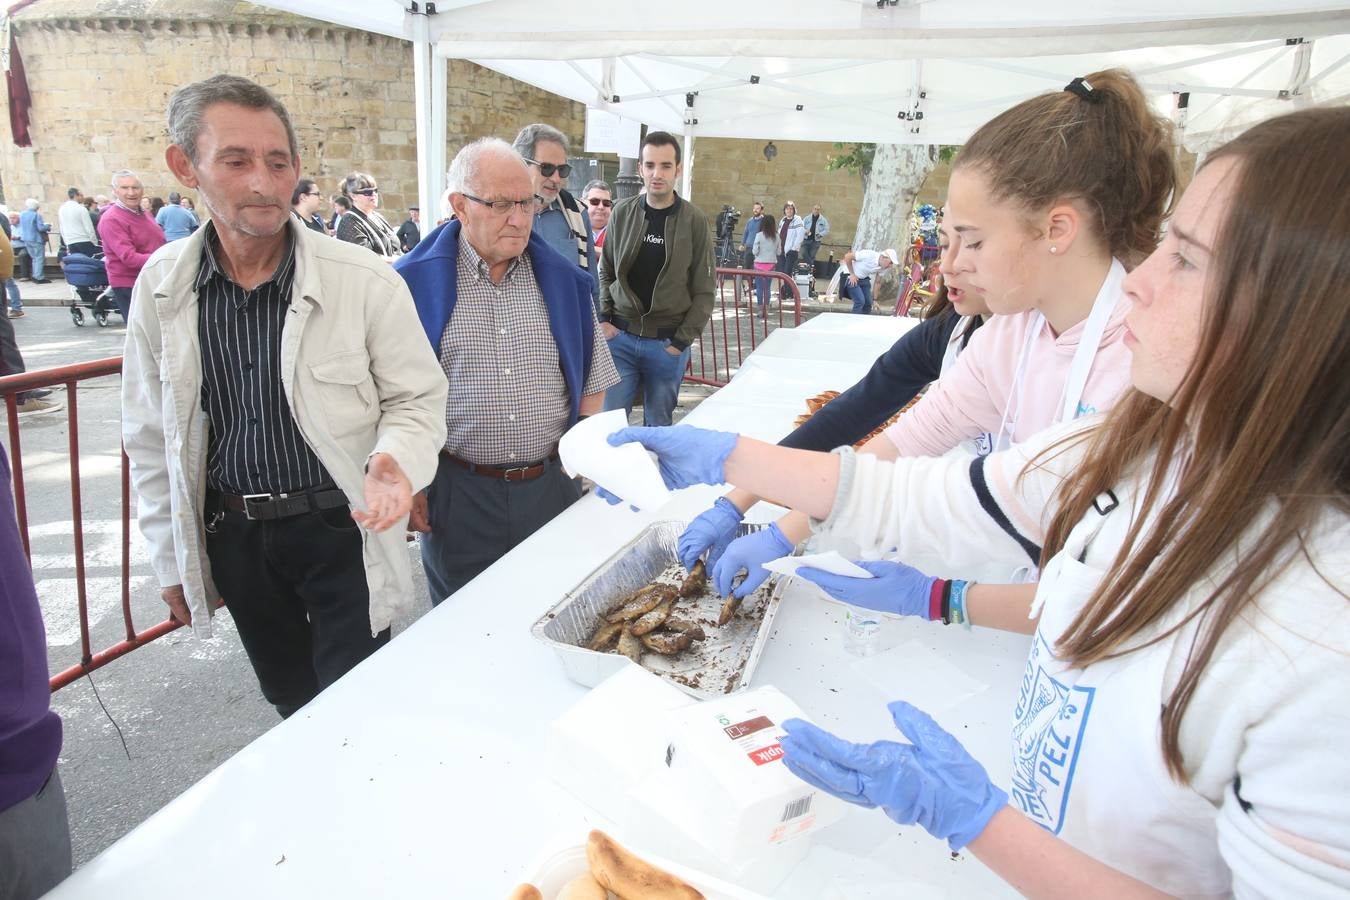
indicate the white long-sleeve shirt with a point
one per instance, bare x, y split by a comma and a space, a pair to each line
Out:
1263, 739
76, 224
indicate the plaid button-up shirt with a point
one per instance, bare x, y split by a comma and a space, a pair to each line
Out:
508, 402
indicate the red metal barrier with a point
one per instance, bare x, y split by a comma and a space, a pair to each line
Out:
734, 324
70, 377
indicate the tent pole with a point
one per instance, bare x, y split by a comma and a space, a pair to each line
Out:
428, 201
439, 76
688, 178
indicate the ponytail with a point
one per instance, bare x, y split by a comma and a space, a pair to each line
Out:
1097, 140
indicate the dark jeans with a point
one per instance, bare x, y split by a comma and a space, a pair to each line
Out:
88, 248
787, 264
476, 520
809, 250
296, 588
35, 843
860, 294
122, 297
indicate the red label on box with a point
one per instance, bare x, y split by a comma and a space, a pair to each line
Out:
750, 726
766, 755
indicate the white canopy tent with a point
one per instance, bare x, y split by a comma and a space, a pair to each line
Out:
927, 72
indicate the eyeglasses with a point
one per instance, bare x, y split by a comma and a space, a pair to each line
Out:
596, 201
504, 207
367, 192
547, 169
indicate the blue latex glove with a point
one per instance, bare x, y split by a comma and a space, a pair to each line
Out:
612, 499
932, 781
685, 455
749, 553
895, 587
711, 531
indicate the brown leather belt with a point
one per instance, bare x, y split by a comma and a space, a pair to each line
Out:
281, 506
503, 473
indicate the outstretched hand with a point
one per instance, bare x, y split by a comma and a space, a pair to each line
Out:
931, 781
388, 494
685, 455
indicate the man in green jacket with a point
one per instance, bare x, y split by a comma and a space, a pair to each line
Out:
657, 282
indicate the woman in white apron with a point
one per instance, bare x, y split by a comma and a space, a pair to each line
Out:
1047, 204
1181, 726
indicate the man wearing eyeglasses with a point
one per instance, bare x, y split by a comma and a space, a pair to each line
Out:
656, 284
560, 221
516, 333
305, 201
598, 198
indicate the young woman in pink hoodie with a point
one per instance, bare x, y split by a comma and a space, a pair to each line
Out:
1049, 204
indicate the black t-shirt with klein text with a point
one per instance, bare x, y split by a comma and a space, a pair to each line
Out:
651, 256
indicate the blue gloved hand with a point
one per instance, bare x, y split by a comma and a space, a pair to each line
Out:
711, 531
932, 781
612, 499
895, 587
685, 455
749, 553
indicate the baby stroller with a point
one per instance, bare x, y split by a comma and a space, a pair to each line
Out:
88, 280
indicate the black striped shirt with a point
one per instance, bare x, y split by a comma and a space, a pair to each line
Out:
255, 446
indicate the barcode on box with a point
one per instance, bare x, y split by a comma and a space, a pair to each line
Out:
797, 808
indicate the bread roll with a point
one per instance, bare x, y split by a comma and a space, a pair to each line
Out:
526, 892
632, 878
583, 887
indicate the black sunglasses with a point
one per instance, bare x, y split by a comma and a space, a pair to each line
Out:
547, 169
367, 192
596, 201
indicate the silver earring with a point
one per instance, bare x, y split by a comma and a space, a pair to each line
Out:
1054, 249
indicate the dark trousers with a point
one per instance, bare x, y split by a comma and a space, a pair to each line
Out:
88, 248
787, 264
35, 843
810, 247
476, 520
122, 297
296, 588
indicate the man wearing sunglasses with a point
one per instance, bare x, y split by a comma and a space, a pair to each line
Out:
598, 198
514, 328
560, 221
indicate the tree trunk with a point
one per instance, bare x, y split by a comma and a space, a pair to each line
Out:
897, 173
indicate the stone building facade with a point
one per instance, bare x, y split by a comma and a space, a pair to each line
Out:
101, 72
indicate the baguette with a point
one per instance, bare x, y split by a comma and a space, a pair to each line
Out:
618, 870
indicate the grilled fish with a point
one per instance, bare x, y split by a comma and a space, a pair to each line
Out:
666, 643
630, 646
697, 580
604, 635
652, 620
729, 609
642, 602
684, 626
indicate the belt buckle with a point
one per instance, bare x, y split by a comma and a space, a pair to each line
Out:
259, 498
506, 475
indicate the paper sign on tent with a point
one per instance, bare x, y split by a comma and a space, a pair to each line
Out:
627, 471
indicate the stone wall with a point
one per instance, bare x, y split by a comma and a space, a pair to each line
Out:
101, 73
100, 86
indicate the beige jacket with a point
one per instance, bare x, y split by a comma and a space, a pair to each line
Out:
357, 371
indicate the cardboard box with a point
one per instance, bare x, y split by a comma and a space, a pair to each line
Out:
726, 783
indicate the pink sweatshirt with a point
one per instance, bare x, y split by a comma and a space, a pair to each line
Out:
128, 240
971, 398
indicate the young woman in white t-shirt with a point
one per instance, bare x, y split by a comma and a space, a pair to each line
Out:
1182, 725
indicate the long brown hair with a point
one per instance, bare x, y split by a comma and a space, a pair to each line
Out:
1258, 427
1111, 151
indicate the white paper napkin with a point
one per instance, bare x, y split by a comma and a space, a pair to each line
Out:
829, 562
627, 471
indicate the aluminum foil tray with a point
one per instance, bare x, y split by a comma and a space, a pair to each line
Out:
721, 663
